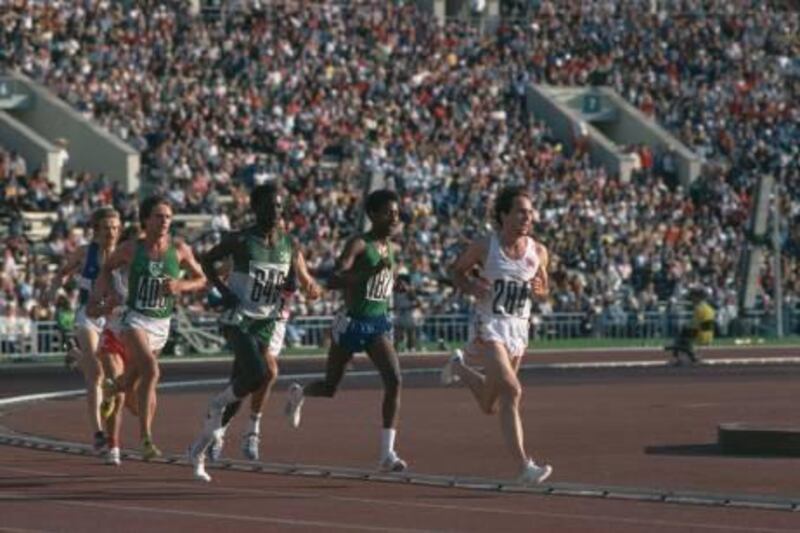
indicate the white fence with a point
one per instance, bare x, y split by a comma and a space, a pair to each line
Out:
200, 333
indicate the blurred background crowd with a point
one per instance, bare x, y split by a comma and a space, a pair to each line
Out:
329, 95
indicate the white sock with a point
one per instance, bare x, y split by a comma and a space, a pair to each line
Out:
387, 442
254, 424
224, 398
216, 408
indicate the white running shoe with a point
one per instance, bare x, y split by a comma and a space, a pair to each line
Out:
294, 404
533, 474
113, 457
449, 375
214, 450
392, 463
197, 455
250, 444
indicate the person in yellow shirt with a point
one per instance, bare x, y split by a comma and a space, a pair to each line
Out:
699, 332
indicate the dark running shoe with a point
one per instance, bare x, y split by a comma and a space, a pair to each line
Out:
100, 442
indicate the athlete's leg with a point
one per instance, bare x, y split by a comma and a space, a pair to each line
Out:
531, 472
215, 442
335, 365
114, 421
250, 368
106, 358
251, 438
476, 381
132, 392
516, 363
502, 384
88, 341
384, 357
260, 395
232, 408
144, 365
249, 372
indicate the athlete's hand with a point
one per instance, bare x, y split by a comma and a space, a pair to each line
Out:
171, 287
479, 287
313, 292
539, 285
229, 300
382, 263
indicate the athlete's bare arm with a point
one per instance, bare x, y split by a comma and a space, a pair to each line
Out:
307, 283
103, 290
73, 264
395, 250
541, 281
208, 261
196, 279
344, 276
461, 269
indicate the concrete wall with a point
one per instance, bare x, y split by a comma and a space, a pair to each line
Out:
563, 123
90, 147
491, 16
754, 254
633, 127
37, 151
435, 8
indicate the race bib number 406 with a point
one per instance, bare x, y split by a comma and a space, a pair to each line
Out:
150, 294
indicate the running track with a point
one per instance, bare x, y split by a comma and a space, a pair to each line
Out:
625, 434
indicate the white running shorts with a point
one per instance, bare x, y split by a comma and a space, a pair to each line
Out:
157, 329
82, 321
511, 332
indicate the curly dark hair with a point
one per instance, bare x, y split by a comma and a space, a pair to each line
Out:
505, 201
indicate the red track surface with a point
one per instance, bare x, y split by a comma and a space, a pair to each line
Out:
646, 428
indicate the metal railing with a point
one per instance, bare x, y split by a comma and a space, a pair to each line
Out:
199, 333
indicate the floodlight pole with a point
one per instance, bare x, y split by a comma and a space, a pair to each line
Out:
778, 266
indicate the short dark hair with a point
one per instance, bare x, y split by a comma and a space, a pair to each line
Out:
505, 201
377, 200
261, 192
103, 213
150, 203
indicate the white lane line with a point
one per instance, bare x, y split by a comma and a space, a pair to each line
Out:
20, 530
653, 363
41, 396
221, 516
682, 526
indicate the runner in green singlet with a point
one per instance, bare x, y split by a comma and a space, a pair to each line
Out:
154, 264
365, 272
266, 267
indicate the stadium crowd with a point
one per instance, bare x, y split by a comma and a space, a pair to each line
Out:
329, 95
